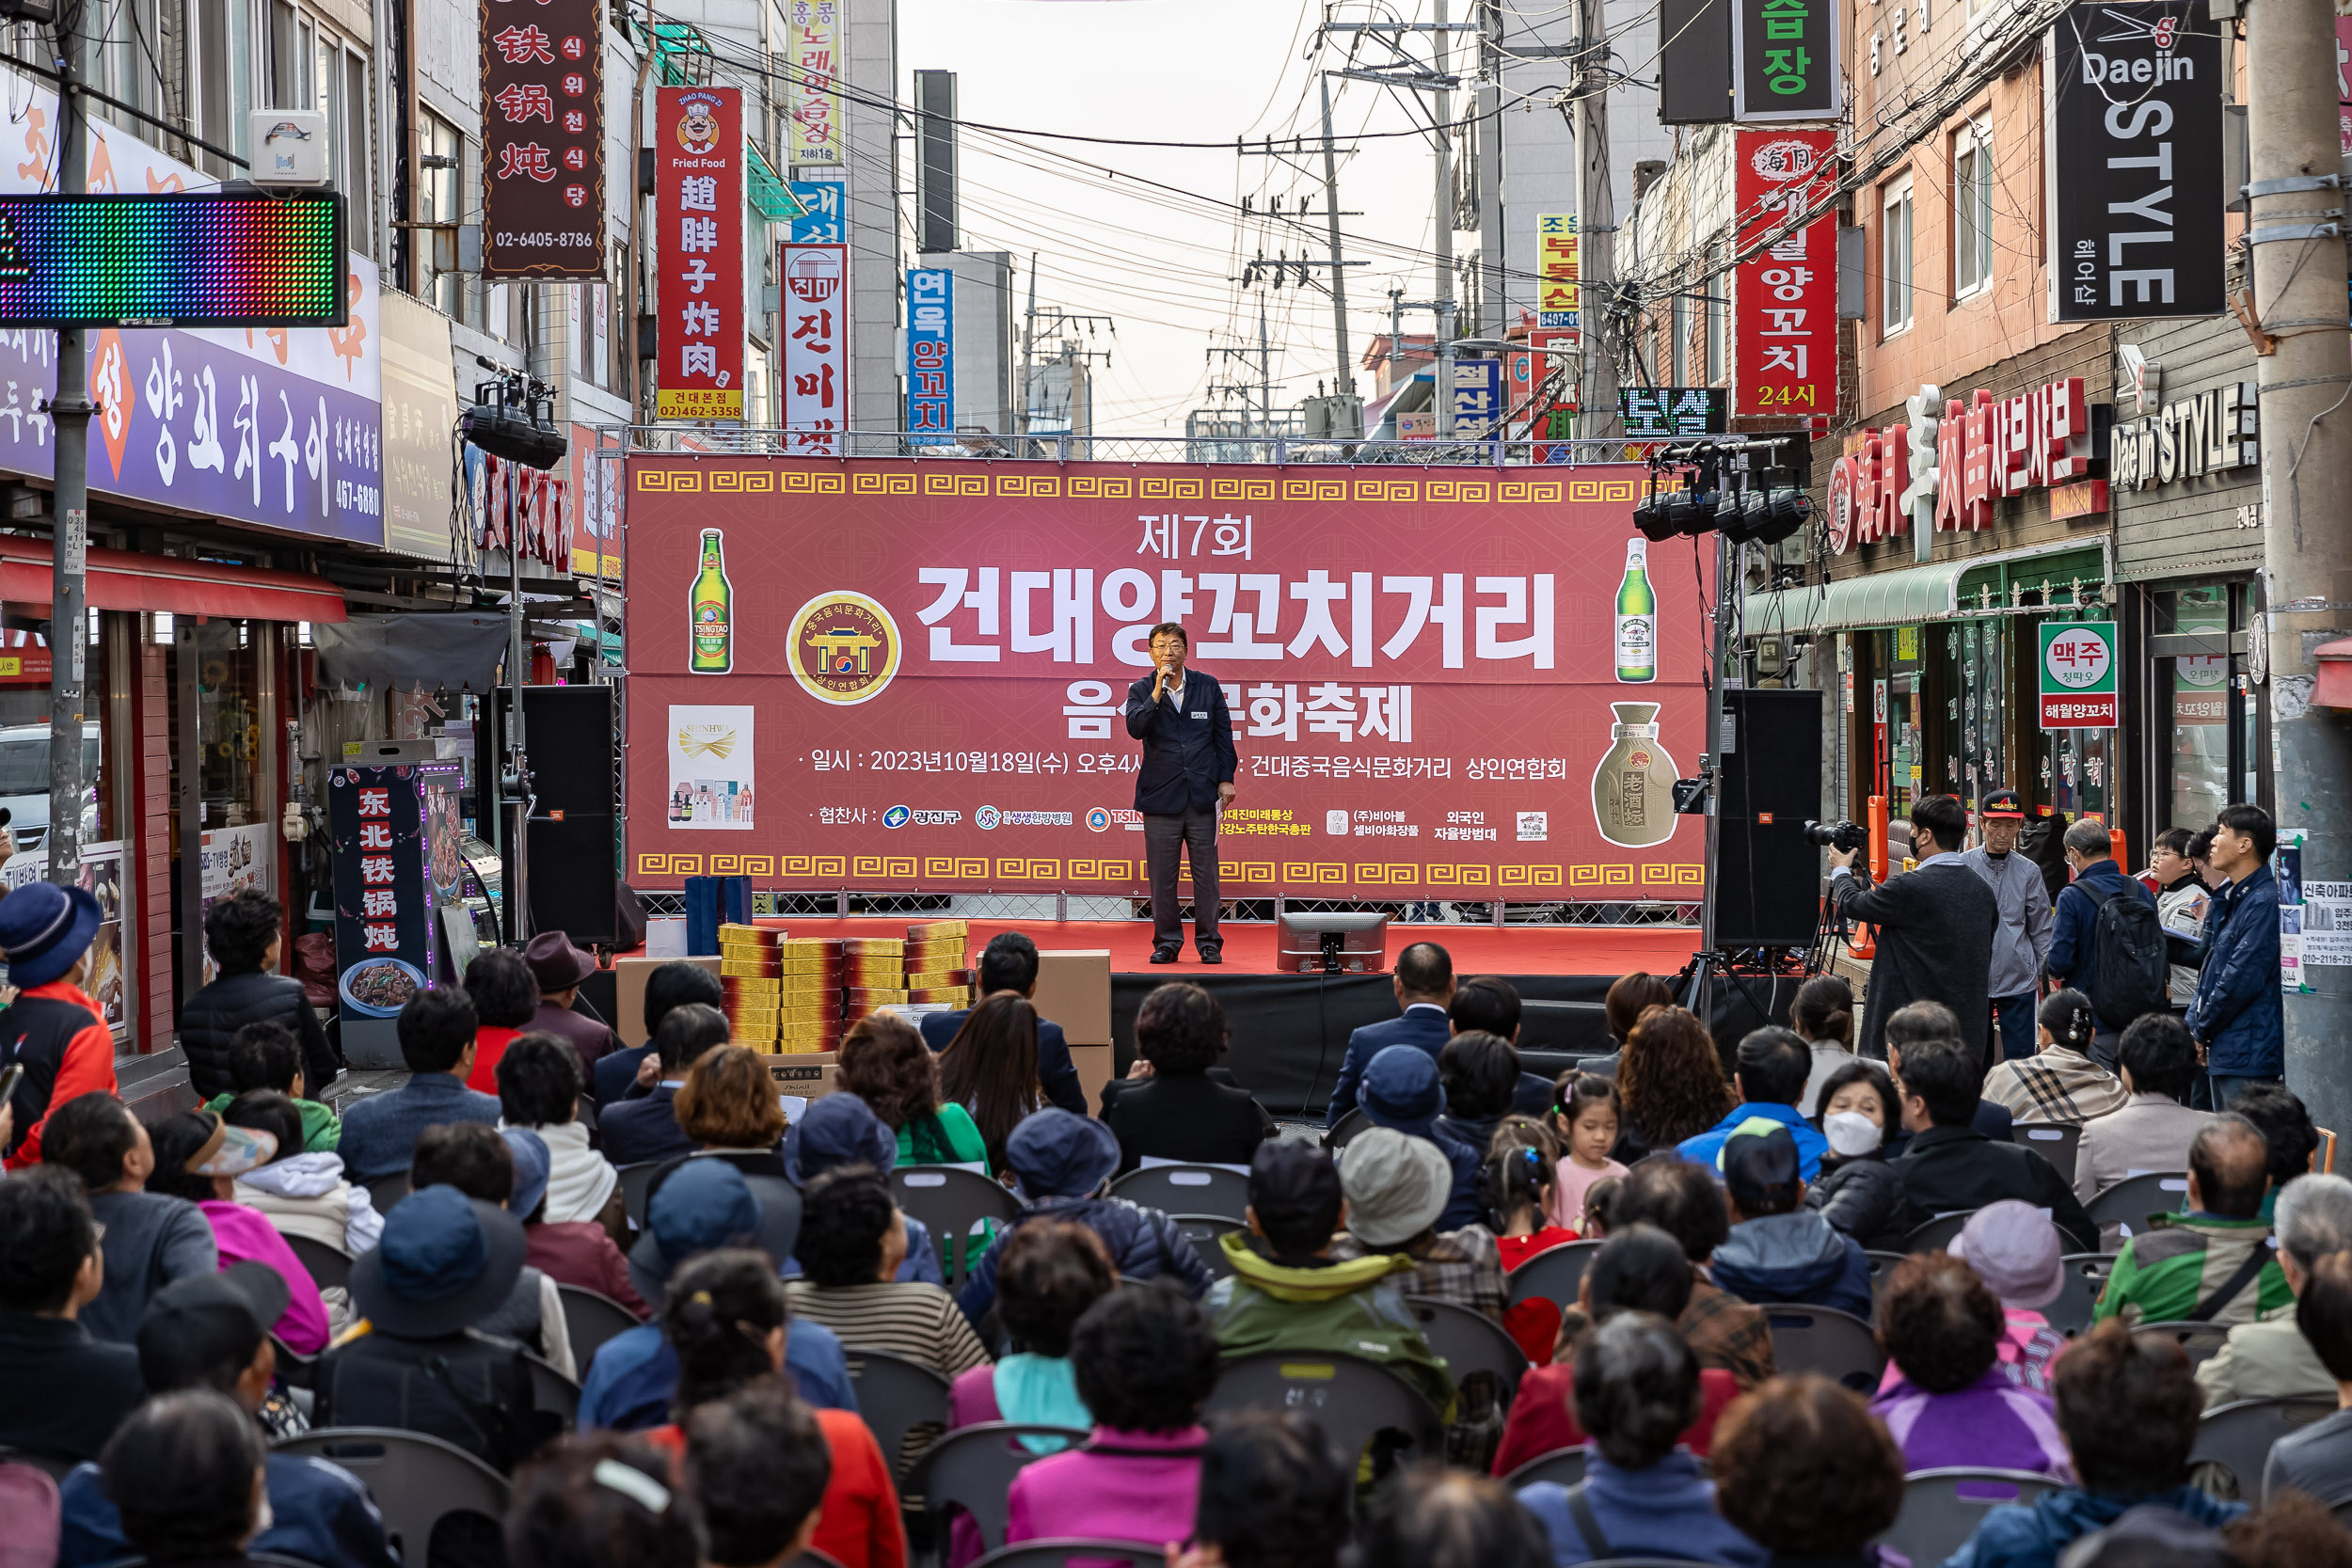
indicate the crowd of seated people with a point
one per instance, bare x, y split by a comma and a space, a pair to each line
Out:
160, 1331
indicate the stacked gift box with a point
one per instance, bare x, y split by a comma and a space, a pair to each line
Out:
783, 994
938, 963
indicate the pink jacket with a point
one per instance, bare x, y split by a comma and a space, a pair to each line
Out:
1122, 1486
246, 1234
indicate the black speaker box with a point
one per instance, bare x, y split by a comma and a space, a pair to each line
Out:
574, 858
1768, 879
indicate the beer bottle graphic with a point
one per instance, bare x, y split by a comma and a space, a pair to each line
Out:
710, 607
1637, 617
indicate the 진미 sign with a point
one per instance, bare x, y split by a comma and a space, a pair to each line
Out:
2078, 676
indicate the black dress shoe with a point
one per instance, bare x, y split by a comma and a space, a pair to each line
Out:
1212, 955
1165, 954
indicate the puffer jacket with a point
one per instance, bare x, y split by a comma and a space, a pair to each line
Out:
1864, 1198
307, 1195
1144, 1245
209, 1021
1797, 1258
1323, 1306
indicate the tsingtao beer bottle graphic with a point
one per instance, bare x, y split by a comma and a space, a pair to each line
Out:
1637, 617
712, 605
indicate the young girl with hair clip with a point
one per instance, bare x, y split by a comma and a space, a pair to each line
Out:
1587, 1115
1515, 1188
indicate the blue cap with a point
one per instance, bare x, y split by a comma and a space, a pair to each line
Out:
532, 1165
838, 1130
1401, 1089
1058, 1153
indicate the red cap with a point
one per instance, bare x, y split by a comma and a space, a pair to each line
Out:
2004, 804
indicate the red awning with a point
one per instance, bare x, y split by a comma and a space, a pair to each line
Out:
124, 579
2333, 661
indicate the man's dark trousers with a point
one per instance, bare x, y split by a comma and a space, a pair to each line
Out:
1195, 832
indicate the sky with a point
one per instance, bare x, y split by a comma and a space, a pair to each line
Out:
1166, 264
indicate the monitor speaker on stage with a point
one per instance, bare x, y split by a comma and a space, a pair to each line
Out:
1333, 944
574, 870
1768, 879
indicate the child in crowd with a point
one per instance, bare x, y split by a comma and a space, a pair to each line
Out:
1586, 1113
1600, 1201
1515, 1188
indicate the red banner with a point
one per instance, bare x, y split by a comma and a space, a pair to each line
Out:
698, 199
897, 673
1785, 298
543, 155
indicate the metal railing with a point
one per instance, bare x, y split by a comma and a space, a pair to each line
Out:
1282, 451
828, 903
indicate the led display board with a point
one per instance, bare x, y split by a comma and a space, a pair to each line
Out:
200, 258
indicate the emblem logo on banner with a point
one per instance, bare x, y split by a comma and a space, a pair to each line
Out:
845, 648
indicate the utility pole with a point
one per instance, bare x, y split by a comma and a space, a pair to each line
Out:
1345, 384
1494, 304
69, 637
2293, 231
1440, 108
1597, 225
1029, 333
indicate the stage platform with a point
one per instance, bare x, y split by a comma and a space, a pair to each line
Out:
1290, 1031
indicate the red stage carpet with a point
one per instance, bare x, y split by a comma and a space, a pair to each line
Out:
1579, 950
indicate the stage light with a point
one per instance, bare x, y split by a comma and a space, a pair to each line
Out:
509, 434
1786, 509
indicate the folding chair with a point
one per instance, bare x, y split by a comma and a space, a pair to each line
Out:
1552, 1274
551, 1390
895, 1396
972, 1468
2078, 1297
2055, 1144
2126, 1205
1470, 1342
1186, 1189
1882, 1267
1062, 1551
386, 1190
293, 1368
2202, 1341
2238, 1436
1206, 1232
414, 1480
1936, 1234
1355, 1400
951, 1202
1344, 1128
589, 1319
636, 1183
1823, 1339
1561, 1466
329, 1266
1942, 1508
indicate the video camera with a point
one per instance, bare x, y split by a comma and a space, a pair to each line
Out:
1845, 837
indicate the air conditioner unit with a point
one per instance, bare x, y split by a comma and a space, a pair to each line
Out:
288, 146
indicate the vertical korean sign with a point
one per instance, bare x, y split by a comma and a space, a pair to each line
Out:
1556, 302
1785, 297
383, 893
812, 102
2135, 162
698, 200
543, 140
932, 355
815, 359
1786, 63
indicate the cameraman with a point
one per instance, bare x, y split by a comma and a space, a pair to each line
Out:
1936, 927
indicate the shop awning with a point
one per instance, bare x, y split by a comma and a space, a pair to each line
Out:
2334, 661
1914, 595
124, 579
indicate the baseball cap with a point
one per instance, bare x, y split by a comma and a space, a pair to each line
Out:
200, 1323
1760, 1166
2003, 803
2014, 1247
532, 1165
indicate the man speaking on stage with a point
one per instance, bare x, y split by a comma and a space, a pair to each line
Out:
1185, 780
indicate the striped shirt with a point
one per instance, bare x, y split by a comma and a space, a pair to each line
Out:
917, 1321
2055, 1087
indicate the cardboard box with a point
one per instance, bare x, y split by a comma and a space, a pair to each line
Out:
1095, 1068
809, 1074
1073, 988
628, 986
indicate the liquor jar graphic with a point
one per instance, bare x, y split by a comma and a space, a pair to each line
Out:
710, 607
1633, 786
1637, 618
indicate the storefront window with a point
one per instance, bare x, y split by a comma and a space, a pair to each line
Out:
228, 697
2207, 717
1976, 756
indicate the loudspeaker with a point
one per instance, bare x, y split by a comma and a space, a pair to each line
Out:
574, 868
1768, 879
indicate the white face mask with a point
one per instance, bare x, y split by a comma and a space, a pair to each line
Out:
1850, 1133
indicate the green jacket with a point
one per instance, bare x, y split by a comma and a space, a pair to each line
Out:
322, 1129
2166, 1270
1345, 1306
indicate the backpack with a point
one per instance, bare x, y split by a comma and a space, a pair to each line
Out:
2133, 975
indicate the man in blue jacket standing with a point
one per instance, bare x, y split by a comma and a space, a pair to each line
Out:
2236, 1019
2074, 957
1185, 780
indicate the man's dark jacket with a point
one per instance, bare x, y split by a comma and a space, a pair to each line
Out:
1950, 1169
1934, 945
209, 1021
1187, 754
1057, 1074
